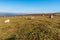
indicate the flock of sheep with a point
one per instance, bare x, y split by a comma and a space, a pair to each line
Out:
29, 18
8, 20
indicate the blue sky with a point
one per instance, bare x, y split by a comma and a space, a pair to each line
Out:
29, 6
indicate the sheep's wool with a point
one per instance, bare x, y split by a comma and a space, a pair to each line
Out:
7, 21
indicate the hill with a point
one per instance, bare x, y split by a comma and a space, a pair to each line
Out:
25, 28
41, 14
27, 14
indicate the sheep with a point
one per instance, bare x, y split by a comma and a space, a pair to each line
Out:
32, 17
7, 21
15, 16
29, 18
51, 16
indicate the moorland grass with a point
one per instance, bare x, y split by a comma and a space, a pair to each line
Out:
39, 28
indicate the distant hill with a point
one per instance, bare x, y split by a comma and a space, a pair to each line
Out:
26, 14
41, 14
7, 14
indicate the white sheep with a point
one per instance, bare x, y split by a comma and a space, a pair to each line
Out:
7, 21
32, 17
51, 16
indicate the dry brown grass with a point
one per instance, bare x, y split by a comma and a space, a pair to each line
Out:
39, 28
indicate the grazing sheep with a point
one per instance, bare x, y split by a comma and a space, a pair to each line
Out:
32, 17
43, 15
7, 21
29, 18
15, 16
51, 16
